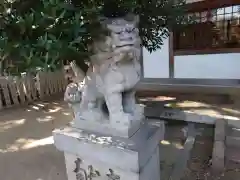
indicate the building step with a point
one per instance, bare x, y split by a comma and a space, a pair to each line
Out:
233, 131
233, 154
232, 141
234, 124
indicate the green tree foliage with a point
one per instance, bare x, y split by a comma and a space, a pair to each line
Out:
43, 33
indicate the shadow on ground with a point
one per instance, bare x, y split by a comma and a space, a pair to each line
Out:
211, 108
26, 143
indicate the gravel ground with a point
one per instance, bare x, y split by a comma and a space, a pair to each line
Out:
200, 160
199, 166
171, 146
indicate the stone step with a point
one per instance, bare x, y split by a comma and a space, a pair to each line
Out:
233, 131
235, 124
232, 141
233, 154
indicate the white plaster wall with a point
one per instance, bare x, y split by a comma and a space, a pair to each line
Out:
156, 64
210, 66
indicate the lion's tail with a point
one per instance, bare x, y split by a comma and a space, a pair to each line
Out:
78, 72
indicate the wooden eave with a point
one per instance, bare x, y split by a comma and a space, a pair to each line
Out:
210, 4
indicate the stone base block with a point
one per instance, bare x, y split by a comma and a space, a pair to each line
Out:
101, 171
91, 155
104, 127
100, 123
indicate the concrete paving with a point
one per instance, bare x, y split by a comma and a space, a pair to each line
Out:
26, 144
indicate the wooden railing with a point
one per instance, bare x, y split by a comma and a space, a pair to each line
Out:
16, 91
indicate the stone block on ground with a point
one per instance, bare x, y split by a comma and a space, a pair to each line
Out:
232, 131
107, 157
177, 114
235, 123
218, 156
220, 130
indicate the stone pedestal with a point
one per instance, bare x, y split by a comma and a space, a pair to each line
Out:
90, 155
105, 127
117, 143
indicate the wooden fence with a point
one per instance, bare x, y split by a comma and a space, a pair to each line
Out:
16, 91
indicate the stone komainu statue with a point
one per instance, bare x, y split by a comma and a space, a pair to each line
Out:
113, 73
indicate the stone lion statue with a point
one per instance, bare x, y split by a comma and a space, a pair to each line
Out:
108, 90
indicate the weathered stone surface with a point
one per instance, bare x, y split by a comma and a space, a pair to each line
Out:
106, 127
102, 171
111, 78
233, 136
184, 154
232, 141
220, 130
130, 153
218, 156
234, 123
177, 114
231, 131
114, 138
135, 158
72, 96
